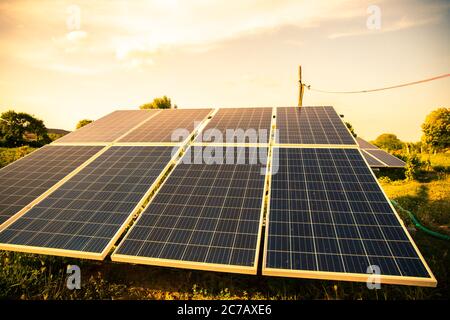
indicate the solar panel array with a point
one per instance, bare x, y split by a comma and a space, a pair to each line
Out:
328, 214
23, 181
204, 213
311, 125
85, 213
168, 126
108, 128
378, 158
327, 217
245, 120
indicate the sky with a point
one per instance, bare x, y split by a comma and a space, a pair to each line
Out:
64, 61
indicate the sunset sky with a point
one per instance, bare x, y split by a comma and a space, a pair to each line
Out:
120, 54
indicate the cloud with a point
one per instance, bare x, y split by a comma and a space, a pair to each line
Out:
70, 69
397, 19
135, 33
204, 21
76, 36
73, 41
197, 26
137, 59
402, 24
134, 52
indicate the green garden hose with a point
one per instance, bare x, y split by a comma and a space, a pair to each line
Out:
418, 225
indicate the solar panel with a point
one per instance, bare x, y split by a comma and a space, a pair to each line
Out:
377, 157
85, 215
205, 216
363, 144
311, 125
255, 122
386, 158
373, 162
23, 181
167, 123
329, 219
108, 128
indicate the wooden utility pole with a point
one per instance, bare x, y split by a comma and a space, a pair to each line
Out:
301, 87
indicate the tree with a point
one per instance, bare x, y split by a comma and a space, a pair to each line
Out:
351, 129
158, 103
83, 122
436, 129
388, 141
18, 129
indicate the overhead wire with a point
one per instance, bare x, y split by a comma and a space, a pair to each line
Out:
309, 87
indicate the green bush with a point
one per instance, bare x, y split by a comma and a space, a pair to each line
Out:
8, 155
413, 165
384, 179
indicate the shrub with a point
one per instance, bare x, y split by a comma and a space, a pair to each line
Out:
413, 165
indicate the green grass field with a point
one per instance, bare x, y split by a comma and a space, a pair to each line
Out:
26, 276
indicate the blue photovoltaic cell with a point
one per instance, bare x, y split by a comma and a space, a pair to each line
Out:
204, 212
238, 125
373, 162
389, 159
363, 144
311, 125
377, 157
170, 125
24, 180
108, 128
86, 212
327, 213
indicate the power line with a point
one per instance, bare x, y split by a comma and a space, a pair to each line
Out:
380, 89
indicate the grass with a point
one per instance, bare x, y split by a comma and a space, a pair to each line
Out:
429, 201
27, 276
440, 162
438, 159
